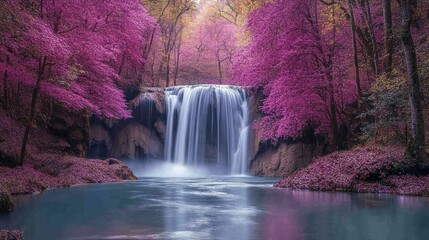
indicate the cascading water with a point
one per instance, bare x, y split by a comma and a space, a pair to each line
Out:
208, 124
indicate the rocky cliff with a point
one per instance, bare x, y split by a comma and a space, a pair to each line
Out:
283, 158
140, 137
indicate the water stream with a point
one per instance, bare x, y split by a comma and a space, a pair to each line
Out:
208, 125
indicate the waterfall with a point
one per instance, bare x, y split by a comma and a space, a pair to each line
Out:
208, 125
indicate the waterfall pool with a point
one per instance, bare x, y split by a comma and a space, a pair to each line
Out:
219, 207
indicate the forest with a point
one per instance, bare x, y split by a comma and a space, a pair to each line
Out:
88, 85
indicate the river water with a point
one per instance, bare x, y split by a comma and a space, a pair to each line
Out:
236, 208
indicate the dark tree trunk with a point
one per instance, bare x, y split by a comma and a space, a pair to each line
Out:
388, 36
40, 76
121, 65
148, 48
373, 40
5, 90
333, 114
355, 54
417, 144
152, 72
219, 68
176, 68
167, 70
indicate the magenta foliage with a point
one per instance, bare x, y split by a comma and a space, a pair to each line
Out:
208, 52
300, 57
87, 44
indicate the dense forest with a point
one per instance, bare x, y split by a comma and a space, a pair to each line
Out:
351, 71
349, 78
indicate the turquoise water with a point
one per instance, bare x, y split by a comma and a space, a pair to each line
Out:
236, 208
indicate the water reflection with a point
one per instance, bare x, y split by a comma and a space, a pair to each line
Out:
215, 208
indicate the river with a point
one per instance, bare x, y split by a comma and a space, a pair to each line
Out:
215, 208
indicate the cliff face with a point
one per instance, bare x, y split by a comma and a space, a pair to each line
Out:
72, 128
283, 158
141, 137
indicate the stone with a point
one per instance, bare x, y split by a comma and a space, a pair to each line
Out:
283, 159
6, 201
160, 127
113, 161
73, 127
155, 94
255, 115
100, 142
125, 173
134, 141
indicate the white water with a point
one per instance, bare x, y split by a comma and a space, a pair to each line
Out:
208, 125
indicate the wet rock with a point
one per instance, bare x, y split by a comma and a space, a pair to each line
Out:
135, 141
72, 127
284, 159
113, 161
125, 173
160, 127
100, 142
255, 115
154, 94
11, 235
6, 201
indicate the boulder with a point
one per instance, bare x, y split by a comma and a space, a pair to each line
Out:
113, 161
125, 173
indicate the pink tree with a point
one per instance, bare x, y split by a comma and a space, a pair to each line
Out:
298, 58
210, 50
73, 52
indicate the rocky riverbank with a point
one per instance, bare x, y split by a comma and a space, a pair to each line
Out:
47, 163
374, 170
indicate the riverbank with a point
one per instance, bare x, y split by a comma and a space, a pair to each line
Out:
47, 164
372, 170
53, 171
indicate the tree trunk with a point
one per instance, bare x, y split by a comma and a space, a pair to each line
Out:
373, 40
388, 37
5, 90
417, 144
355, 54
167, 70
176, 68
40, 76
121, 65
219, 68
152, 35
152, 72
